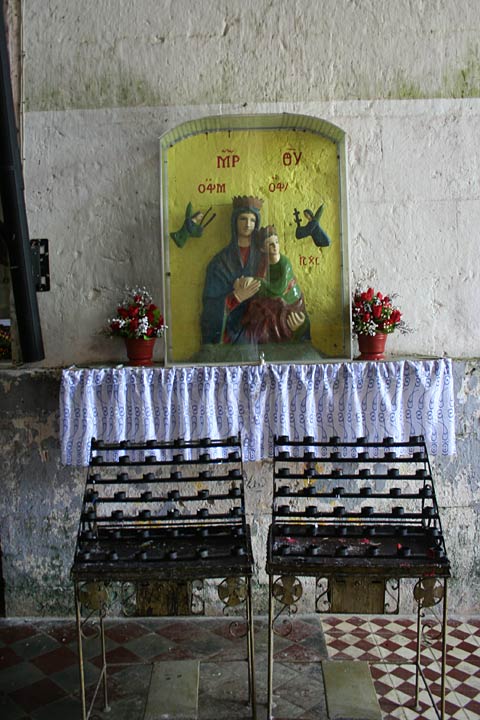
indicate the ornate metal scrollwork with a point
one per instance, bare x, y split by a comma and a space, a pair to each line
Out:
94, 596
431, 631
238, 629
197, 604
428, 592
288, 590
232, 591
322, 597
392, 596
285, 628
128, 597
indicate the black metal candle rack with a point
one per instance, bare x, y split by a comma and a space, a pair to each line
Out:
157, 520
357, 517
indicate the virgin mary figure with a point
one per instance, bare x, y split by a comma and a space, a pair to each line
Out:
230, 280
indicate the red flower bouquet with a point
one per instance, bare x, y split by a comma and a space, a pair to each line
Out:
374, 313
137, 317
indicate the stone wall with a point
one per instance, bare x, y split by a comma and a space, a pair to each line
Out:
41, 500
111, 53
414, 212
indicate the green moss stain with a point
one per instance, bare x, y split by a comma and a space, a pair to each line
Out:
98, 88
94, 93
48, 594
405, 89
466, 81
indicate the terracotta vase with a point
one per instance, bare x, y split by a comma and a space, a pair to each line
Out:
139, 351
372, 347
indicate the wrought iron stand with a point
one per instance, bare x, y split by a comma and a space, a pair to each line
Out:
158, 519
337, 517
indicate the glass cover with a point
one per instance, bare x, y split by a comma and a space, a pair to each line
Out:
254, 222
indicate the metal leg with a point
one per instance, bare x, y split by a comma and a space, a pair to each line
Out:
418, 653
251, 651
270, 648
106, 706
80, 653
94, 605
429, 592
444, 651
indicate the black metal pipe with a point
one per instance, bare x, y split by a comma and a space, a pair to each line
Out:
15, 226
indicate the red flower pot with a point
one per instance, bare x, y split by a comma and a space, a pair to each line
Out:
372, 347
139, 351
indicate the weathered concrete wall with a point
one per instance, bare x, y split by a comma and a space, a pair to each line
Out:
112, 53
40, 502
414, 203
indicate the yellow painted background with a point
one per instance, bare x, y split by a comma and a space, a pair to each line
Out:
313, 180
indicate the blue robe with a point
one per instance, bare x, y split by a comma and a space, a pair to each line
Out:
218, 325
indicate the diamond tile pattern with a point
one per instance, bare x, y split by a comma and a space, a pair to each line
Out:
39, 674
391, 640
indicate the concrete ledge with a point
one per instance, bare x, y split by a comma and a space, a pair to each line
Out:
349, 691
173, 691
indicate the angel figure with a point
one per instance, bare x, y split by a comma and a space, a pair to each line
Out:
193, 225
312, 228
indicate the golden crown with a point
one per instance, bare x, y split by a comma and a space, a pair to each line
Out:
247, 201
266, 231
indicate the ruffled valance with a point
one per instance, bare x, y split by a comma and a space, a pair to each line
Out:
348, 400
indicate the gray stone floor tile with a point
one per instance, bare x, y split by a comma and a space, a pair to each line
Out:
131, 681
91, 646
350, 692
261, 642
173, 690
148, 646
283, 708
66, 708
18, 676
282, 673
223, 686
34, 645
128, 686
303, 694
223, 679
213, 709
126, 709
205, 646
9, 710
318, 712
69, 678
318, 643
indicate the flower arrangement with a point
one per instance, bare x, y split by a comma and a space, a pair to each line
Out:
137, 316
374, 313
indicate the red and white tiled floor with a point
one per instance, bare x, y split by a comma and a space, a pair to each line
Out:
392, 640
39, 673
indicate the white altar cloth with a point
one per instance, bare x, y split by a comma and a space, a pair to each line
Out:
347, 399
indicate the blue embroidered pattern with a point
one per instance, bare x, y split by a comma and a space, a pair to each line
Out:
374, 400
